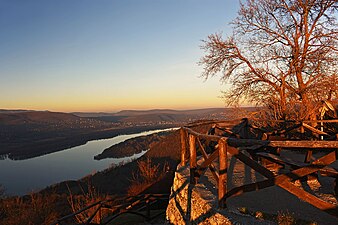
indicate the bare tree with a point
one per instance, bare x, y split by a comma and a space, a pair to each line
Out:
282, 54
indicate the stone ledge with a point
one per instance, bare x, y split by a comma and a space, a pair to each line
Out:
197, 204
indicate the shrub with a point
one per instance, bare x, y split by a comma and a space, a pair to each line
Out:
148, 171
285, 218
147, 174
36, 209
88, 197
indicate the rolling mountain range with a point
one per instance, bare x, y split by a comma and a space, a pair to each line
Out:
159, 115
26, 133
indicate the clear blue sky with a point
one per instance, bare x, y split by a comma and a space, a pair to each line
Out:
108, 55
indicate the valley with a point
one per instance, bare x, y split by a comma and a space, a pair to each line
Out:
26, 134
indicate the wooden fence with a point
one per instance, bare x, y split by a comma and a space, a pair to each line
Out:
192, 141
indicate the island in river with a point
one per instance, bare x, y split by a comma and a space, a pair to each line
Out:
26, 134
131, 146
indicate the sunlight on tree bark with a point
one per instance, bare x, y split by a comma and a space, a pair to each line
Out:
282, 55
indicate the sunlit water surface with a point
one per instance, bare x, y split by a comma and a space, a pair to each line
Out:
23, 176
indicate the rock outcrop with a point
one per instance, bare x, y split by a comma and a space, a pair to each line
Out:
197, 204
192, 204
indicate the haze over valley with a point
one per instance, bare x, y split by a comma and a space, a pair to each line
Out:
26, 134
56, 146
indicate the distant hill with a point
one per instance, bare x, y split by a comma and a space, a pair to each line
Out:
92, 114
35, 117
125, 113
146, 112
170, 111
158, 115
25, 133
14, 111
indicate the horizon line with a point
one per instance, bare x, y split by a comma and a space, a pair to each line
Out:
127, 109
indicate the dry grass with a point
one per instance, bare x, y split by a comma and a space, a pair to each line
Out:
147, 174
35, 209
285, 218
88, 197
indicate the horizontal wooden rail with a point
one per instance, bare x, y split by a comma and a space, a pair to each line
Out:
296, 121
213, 122
204, 136
236, 142
304, 144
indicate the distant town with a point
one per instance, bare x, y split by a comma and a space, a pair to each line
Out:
26, 134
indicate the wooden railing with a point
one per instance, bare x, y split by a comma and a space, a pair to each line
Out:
220, 152
215, 149
138, 205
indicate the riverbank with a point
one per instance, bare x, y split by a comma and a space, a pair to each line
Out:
27, 150
24, 176
132, 146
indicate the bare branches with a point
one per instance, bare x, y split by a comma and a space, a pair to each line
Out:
280, 50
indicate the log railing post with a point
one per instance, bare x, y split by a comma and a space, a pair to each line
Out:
302, 131
183, 147
222, 182
193, 159
308, 156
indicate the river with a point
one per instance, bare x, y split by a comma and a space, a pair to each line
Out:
20, 177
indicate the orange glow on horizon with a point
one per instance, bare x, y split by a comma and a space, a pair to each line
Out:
105, 107
105, 103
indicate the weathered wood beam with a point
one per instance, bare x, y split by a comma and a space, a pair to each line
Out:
308, 156
287, 130
219, 122
183, 146
228, 131
207, 162
314, 130
329, 172
235, 142
306, 196
211, 158
222, 184
250, 162
304, 144
202, 136
326, 171
205, 156
193, 159
297, 121
306, 170
284, 180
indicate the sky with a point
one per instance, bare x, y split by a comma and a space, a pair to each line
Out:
109, 55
